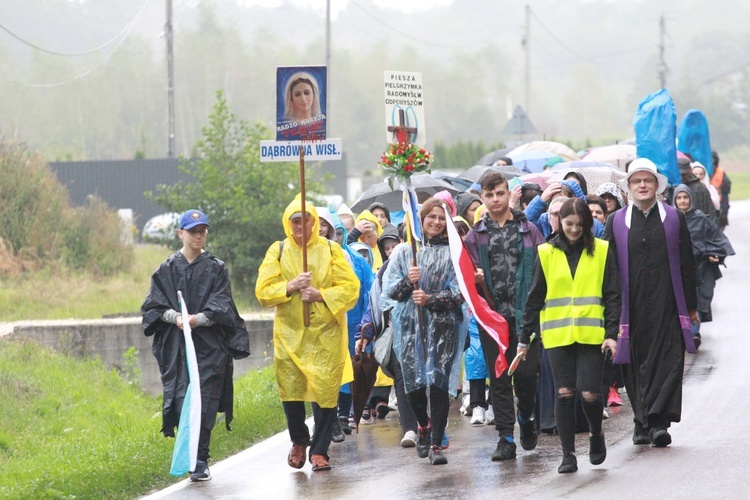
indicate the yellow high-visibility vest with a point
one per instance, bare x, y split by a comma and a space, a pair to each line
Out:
573, 309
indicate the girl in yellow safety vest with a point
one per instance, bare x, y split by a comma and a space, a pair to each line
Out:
574, 304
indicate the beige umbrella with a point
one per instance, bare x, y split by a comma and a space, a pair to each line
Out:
561, 150
617, 154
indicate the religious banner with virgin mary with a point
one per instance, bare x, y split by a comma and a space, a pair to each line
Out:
301, 103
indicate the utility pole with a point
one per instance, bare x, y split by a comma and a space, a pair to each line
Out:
663, 69
527, 50
170, 83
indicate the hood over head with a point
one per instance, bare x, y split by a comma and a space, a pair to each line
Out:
612, 189
296, 206
682, 188
367, 215
379, 205
446, 198
577, 191
325, 214
464, 201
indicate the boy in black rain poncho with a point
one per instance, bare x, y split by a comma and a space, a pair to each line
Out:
218, 332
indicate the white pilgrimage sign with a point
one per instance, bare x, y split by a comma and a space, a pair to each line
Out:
327, 149
404, 107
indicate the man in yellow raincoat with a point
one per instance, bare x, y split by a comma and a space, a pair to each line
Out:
309, 361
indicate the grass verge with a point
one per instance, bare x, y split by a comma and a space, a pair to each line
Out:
70, 428
43, 294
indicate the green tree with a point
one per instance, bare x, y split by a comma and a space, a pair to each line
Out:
243, 198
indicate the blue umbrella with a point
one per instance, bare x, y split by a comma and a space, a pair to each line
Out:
530, 161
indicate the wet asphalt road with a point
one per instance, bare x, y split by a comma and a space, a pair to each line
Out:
709, 457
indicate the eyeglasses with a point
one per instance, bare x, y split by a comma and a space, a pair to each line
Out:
646, 180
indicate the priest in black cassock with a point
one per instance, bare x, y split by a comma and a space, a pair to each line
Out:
657, 274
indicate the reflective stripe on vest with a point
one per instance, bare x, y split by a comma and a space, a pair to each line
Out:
573, 309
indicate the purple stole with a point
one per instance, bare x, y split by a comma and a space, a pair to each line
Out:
672, 229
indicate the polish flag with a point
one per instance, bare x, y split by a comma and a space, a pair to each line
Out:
492, 322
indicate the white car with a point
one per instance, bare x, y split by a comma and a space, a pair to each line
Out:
162, 228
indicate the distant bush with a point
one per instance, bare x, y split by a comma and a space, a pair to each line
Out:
40, 227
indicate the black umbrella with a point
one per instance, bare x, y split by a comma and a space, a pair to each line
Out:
491, 158
392, 198
365, 372
477, 171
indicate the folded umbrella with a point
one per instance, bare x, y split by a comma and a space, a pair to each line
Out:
365, 373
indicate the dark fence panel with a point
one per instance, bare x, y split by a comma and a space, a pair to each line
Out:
120, 183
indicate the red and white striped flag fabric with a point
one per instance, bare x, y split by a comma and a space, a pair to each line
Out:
492, 322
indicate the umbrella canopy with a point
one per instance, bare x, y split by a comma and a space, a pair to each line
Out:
531, 161
455, 181
490, 158
618, 154
477, 171
553, 147
391, 198
541, 178
365, 373
595, 173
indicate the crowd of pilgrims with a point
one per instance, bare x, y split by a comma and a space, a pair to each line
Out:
566, 268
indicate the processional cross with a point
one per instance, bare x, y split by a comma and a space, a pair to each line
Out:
401, 132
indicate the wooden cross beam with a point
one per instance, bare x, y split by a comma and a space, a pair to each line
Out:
401, 132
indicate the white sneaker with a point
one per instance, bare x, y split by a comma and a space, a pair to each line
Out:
489, 416
409, 440
477, 416
465, 402
605, 414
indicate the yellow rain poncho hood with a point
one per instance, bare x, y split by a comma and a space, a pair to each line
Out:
377, 259
309, 362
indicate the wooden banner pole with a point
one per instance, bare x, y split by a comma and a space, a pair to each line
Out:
305, 305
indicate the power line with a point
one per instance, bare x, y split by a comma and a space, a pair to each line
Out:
77, 54
78, 77
560, 42
410, 37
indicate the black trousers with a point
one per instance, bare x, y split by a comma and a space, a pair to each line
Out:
578, 368
203, 443
300, 434
439, 404
477, 393
523, 383
406, 417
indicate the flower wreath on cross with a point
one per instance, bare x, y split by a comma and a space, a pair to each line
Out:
402, 160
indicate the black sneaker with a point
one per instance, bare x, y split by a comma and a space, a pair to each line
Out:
569, 464
201, 472
641, 434
660, 437
337, 434
437, 457
344, 421
528, 432
382, 409
597, 448
423, 440
697, 340
505, 450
